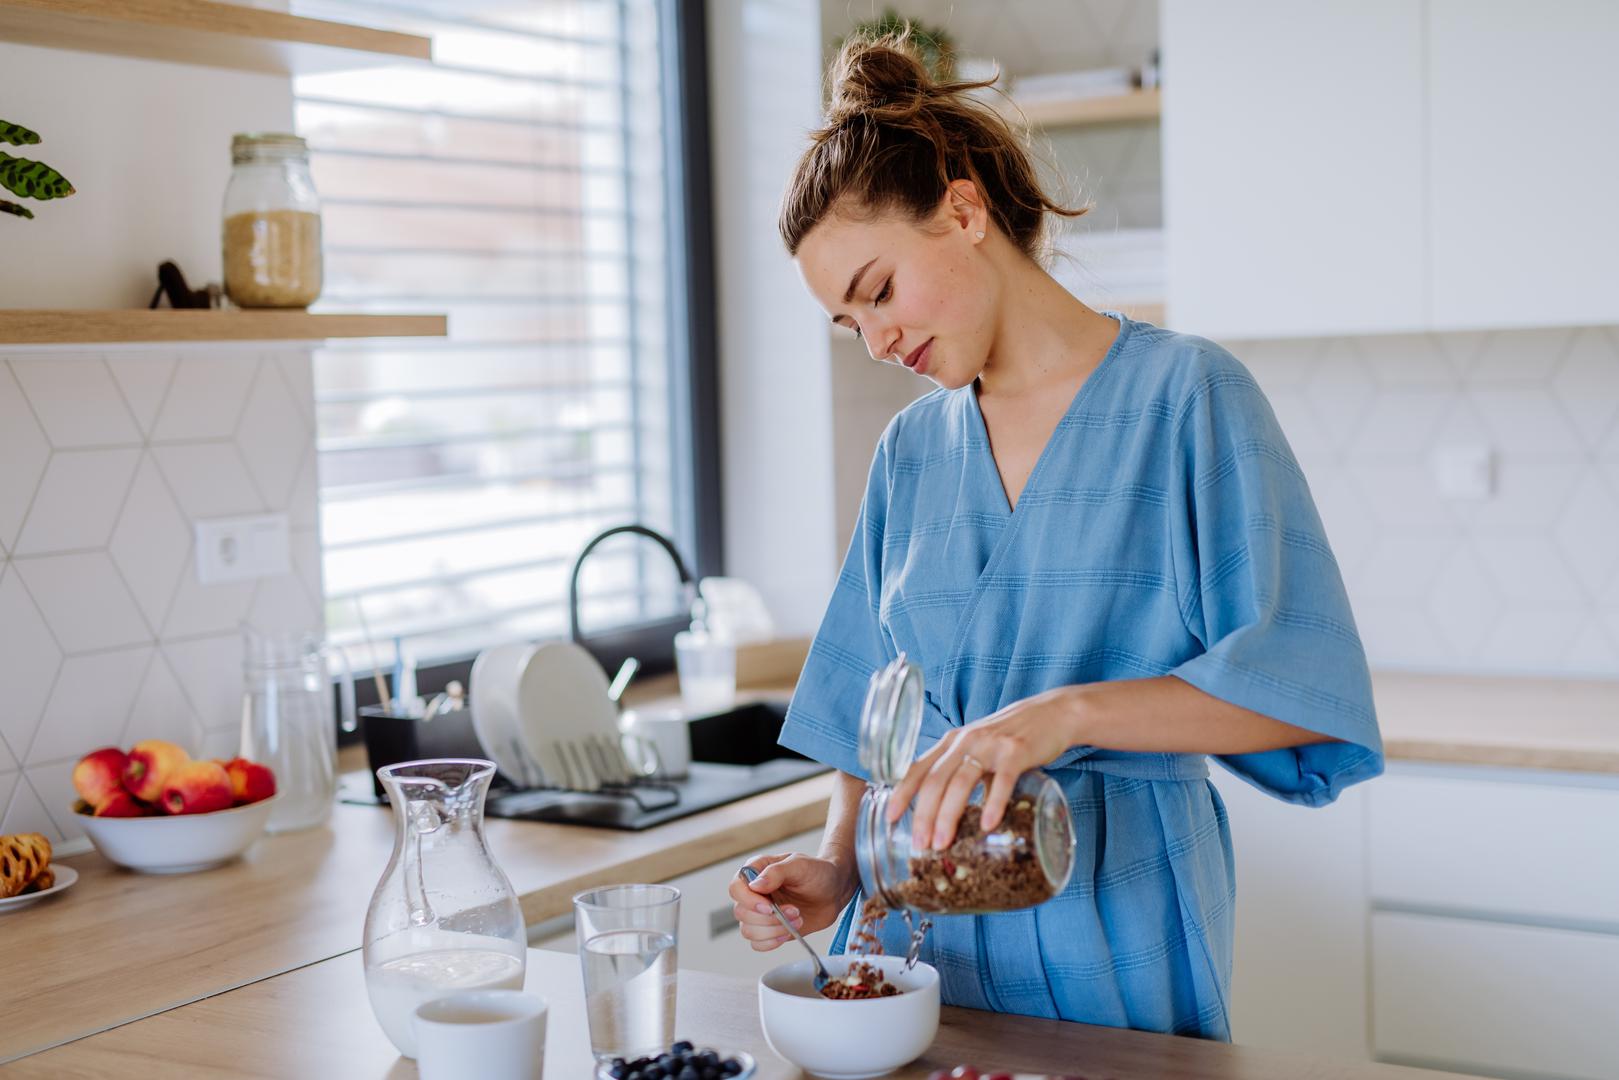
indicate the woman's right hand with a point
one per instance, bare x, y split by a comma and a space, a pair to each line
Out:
811, 892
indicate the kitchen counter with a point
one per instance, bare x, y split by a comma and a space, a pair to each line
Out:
1567, 724
316, 1022
118, 946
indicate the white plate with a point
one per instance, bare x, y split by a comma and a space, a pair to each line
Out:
494, 708
65, 877
562, 697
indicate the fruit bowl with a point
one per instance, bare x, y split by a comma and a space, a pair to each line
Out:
178, 843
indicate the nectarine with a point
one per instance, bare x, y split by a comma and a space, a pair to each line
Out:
151, 761
249, 781
122, 804
197, 787
99, 774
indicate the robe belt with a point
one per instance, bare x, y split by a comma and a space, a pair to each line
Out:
1136, 766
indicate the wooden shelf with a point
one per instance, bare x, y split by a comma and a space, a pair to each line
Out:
205, 32
1137, 105
140, 325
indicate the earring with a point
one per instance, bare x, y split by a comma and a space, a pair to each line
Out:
979, 235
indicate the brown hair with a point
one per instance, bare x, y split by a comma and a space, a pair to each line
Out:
894, 140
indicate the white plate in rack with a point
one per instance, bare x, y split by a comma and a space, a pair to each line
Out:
65, 877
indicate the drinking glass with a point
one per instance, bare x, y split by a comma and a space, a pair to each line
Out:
627, 950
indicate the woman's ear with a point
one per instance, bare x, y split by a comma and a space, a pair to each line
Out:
965, 208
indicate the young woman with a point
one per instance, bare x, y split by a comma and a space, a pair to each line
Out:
1094, 540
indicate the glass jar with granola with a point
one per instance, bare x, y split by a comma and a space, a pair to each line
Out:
272, 224
1025, 860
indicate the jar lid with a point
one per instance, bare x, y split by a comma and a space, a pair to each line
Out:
891, 721
249, 144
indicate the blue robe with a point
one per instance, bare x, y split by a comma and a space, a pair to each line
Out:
1166, 529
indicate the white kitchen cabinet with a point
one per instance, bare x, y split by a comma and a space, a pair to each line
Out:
1293, 157
1461, 993
1526, 845
1523, 114
708, 935
1299, 977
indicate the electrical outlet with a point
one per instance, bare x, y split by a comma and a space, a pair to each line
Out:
241, 549
1465, 471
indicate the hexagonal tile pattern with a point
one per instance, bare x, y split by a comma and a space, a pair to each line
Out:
162, 710
206, 395
84, 600
271, 436
1524, 421
1341, 392
78, 501
1518, 356
1464, 603
29, 660
206, 609
26, 813
151, 542
24, 451
1587, 384
208, 479
1409, 360
90, 703
77, 401
210, 673
1587, 531
1401, 423
144, 379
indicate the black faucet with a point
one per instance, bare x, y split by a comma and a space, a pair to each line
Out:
686, 580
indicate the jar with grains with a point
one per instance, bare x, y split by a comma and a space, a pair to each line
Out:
272, 224
1025, 860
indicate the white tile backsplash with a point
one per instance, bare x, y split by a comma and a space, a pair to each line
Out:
77, 401
1525, 581
110, 457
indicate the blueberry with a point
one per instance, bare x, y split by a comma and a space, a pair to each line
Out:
708, 1057
618, 1070
681, 1047
688, 1073
711, 1073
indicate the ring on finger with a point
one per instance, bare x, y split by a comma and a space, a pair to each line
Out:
975, 763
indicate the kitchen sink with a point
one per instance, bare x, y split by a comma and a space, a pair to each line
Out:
745, 735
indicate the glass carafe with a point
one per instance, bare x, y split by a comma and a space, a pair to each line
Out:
287, 722
1025, 860
444, 917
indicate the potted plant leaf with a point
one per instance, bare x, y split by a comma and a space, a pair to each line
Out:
28, 179
933, 45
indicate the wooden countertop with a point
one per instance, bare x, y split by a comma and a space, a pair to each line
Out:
317, 1022
1568, 724
119, 946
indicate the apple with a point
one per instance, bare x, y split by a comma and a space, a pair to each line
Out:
122, 804
99, 774
197, 787
249, 781
151, 761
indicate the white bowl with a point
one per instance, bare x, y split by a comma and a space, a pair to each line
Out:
849, 1040
178, 843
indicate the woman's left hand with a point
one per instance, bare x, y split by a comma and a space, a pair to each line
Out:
996, 751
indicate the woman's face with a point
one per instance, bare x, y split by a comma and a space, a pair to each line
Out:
919, 294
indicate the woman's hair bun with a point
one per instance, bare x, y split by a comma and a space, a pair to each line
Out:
877, 73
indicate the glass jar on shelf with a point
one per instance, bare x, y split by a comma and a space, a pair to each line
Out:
1025, 860
272, 224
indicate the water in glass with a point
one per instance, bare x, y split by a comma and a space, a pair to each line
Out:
627, 947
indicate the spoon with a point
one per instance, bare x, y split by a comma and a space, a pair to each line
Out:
821, 976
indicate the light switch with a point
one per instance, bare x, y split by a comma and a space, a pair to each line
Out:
241, 549
1465, 471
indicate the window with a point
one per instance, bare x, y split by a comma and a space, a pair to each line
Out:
529, 183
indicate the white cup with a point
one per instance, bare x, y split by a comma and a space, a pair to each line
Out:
706, 664
667, 732
481, 1035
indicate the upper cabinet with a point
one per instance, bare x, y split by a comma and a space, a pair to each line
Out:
1371, 166
1523, 107
1293, 166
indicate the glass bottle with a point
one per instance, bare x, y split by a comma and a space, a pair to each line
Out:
287, 722
272, 224
444, 917
1024, 861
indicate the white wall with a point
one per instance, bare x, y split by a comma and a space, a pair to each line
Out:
775, 380
147, 146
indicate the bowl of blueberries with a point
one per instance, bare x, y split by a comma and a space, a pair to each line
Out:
682, 1061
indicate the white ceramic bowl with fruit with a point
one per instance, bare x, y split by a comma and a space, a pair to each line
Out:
156, 810
873, 1036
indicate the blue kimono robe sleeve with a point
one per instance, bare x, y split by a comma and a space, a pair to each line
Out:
823, 719
1259, 588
